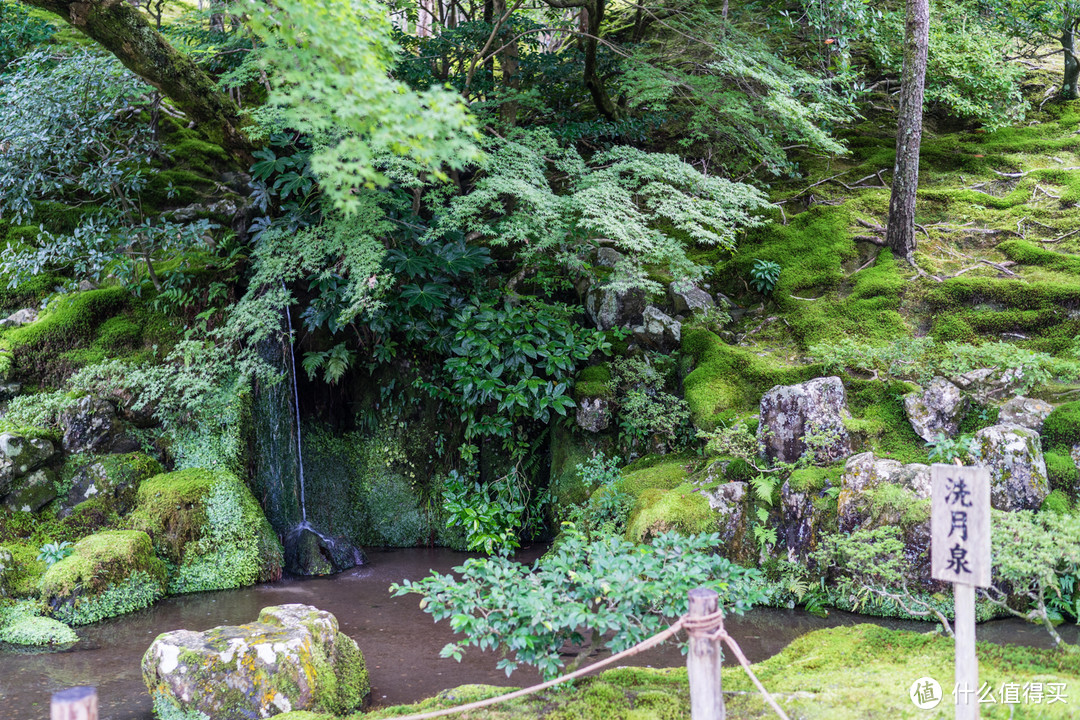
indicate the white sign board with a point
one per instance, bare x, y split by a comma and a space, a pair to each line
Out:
960, 525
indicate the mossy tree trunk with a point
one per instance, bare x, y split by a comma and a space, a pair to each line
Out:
592, 15
124, 31
900, 232
1069, 84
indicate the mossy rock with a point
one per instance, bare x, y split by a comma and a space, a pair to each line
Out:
728, 380
1062, 472
815, 479
20, 578
594, 381
654, 472
209, 527
107, 574
1061, 431
1058, 501
682, 509
112, 480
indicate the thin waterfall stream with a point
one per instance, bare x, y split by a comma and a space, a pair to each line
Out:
296, 406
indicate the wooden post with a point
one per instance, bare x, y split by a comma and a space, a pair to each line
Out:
703, 661
960, 554
78, 703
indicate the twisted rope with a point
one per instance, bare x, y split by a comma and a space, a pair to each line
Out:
708, 627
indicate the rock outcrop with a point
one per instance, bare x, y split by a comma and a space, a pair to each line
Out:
789, 413
26, 484
292, 658
309, 552
658, 330
936, 410
688, 299
593, 414
93, 426
1014, 456
1025, 412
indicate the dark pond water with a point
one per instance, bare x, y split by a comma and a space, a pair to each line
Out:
400, 641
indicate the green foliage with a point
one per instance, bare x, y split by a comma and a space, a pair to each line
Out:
649, 206
328, 66
1061, 431
944, 449
608, 507
732, 94
619, 592
967, 71
1062, 472
51, 553
491, 516
594, 381
923, 358
649, 416
22, 624
20, 32
763, 276
512, 363
1036, 561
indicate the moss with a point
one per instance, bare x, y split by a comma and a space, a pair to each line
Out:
174, 188
1057, 502
727, 380
1033, 295
1026, 253
1062, 472
208, 526
118, 333
57, 217
977, 417
69, 322
198, 155
594, 381
886, 430
895, 505
654, 472
815, 479
682, 509
953, 327
101, 560
21, 579
1061, 431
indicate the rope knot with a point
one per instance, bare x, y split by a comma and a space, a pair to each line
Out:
708, 627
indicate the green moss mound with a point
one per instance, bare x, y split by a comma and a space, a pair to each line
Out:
727, 379
654, 472
594, 381
1062, 472
108, 574
22, 624
1061, 431
682, 509
21, 575
208, 526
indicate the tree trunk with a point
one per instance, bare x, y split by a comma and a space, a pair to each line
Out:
594, 12
1069, 88
900, 232
127, 34
508, 63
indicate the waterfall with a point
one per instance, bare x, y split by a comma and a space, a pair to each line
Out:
296, 405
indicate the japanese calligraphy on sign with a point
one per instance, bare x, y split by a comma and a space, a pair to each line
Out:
960, 525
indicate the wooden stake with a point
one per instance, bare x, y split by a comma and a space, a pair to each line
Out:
967, 664
78, 703
703, 662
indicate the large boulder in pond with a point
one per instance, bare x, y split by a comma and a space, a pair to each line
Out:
92, 425
936, 410
209, 527
292, 658
790, 413
109, 573
1014, 456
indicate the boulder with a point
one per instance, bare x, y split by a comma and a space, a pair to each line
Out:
658, 330
92, 425
936, 410
593, 414
789, 413
115, 478
863, 473
31, 492
9, 390
210, 529
1025, 412
608, 257
19, 317
1013, 454
107, 574
292, 658
989, 384
309, 552
688, 299
609, 308
729, 502
21, 455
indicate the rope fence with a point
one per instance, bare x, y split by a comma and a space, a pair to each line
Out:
704, 624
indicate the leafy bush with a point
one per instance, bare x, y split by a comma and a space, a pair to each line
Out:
19, 32
946, 449
608, 592
491, 515
763, 276
608, 507
650, 418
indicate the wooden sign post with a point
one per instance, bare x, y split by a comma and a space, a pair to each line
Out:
960, 554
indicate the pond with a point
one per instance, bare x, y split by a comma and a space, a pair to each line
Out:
400, 642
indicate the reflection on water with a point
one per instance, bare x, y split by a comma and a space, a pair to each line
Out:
400, 642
